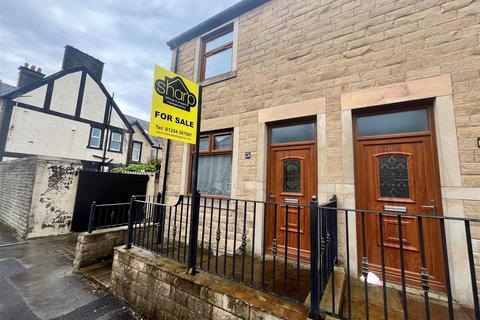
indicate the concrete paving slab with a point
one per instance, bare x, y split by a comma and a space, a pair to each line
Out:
7, 235
37, 282
12, 306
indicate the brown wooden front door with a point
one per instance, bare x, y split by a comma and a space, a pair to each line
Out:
291, 183
397, 170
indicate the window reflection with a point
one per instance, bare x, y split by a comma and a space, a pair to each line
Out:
218, 63
223, 141
393, 123
293, 133
220, 41
204, 141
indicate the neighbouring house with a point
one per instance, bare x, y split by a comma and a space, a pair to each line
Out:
376, 102
54, 131
144, 148
69, 114
6, 88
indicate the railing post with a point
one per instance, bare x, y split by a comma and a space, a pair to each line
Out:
314, 269
93, 208
130, 224
194, 218
159, 214
334, 227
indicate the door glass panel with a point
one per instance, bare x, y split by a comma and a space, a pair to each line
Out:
393, 123
393, 176
291, 175
293, 133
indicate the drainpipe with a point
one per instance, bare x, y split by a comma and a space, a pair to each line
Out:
167, 151
105, 139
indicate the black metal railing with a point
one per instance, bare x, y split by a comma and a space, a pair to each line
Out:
257, 243
260, 244
324, 251
110, 215
366, 299
146, 227
272, 259
104, 216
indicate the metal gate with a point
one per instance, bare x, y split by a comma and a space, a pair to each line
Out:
103, 187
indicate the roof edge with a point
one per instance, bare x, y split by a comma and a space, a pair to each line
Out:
143, 132
16, 93
215, 21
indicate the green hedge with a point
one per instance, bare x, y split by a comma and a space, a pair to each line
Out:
136, 167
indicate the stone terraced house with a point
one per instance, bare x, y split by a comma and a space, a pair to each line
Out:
374, 101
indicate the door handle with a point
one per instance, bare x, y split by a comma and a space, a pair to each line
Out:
271, 196
432, 207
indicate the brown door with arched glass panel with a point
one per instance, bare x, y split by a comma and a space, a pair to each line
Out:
397, 171
291, 182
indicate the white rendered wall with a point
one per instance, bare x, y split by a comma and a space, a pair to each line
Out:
94, 102
33, 132
65, 93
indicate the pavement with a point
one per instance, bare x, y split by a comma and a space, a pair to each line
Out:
7, 235
37, 282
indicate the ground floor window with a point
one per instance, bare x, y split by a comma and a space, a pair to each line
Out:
215, 163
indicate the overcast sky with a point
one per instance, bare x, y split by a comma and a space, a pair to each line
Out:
128, 36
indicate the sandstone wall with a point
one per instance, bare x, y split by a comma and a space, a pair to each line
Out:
37, 195
293, 51
159, 288
16, 189
98, 246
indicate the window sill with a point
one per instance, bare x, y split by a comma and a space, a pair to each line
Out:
219, 78
95, 148
212, 196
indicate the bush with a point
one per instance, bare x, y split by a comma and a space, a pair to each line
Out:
136, 167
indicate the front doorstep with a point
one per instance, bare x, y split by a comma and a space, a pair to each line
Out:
158, 287
100, 273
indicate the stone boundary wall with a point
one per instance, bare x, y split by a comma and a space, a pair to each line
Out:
98, 246
17, 179
37, 195
159, 288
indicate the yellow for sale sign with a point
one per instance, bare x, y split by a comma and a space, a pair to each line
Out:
174, 107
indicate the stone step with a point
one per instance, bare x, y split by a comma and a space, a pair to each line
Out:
100, 273
375, 302
326, 301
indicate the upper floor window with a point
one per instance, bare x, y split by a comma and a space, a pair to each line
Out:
217, 55
116, 140
95, 140
136, 151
